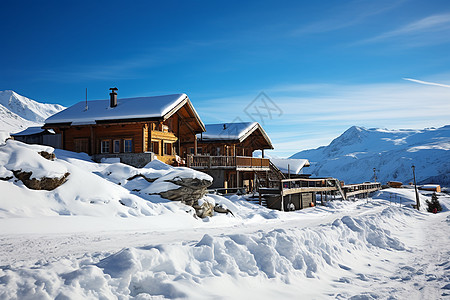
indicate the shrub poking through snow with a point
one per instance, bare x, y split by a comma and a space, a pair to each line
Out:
434, 206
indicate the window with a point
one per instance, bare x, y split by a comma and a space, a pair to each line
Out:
127, 145
116, 147
218, 151
81, 145
199, 150
167, 149
155, 147
104, 146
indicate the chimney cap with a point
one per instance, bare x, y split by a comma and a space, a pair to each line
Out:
114, 89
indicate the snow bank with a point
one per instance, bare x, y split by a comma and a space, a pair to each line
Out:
3, 136
209, 267
17, 156
91, 189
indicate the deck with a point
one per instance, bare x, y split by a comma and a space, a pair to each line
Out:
326, 186
239, 163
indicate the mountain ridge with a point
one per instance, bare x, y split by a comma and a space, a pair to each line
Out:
353, 155
18, 112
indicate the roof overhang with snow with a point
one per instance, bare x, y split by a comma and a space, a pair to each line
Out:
236, 132
290, 165
33, 131
127, 110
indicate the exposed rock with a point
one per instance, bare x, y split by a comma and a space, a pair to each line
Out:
191, 189
140, 175
44, 183
204, 210
46, 155
223, 210
6, 178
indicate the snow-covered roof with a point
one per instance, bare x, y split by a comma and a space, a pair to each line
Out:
295, 165
33, 130
430, 186
127, 108
237, 131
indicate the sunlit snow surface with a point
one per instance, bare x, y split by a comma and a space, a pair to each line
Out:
93, 238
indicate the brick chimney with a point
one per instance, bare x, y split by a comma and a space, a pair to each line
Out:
113, 97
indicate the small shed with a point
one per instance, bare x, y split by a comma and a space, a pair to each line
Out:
38, 135
395, 184
431, 187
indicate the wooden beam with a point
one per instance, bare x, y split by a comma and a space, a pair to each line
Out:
179, 135
195, 144
92, 141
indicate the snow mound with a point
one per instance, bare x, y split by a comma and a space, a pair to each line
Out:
190, 270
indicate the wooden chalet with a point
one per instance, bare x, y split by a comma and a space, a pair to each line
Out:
225, 151
132, 129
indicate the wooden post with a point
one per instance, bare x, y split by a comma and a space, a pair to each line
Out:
415, 188
179, 137
260, 199
150, 144
237, 179
195, 144
144, 145
282, 201
262, 153
92, 141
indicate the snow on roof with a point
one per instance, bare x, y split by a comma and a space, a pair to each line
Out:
430, 186
295, 165
231, 131
127, 108
33, 130
227, 131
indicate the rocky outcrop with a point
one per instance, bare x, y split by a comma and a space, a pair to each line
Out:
204, 210
46, 155
191, 189
45, 183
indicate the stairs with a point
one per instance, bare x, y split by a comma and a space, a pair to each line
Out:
337, 183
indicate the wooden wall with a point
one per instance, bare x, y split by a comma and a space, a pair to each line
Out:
104, 132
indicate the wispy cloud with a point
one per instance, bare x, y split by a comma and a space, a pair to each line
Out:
313, 114
431, 29
347, 15
427, 82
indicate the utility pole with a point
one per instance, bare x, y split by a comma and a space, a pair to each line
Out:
415, 187
375, 174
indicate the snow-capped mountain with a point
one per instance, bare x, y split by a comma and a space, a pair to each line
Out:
18, 112
353, 155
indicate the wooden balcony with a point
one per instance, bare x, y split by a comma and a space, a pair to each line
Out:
239, 163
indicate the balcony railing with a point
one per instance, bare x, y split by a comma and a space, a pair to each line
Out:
217, 162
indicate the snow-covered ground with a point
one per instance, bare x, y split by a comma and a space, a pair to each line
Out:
104, 235
368, 249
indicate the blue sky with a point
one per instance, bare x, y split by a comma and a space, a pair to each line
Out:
326, 65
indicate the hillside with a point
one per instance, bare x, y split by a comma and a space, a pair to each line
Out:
353, 155
18, 112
